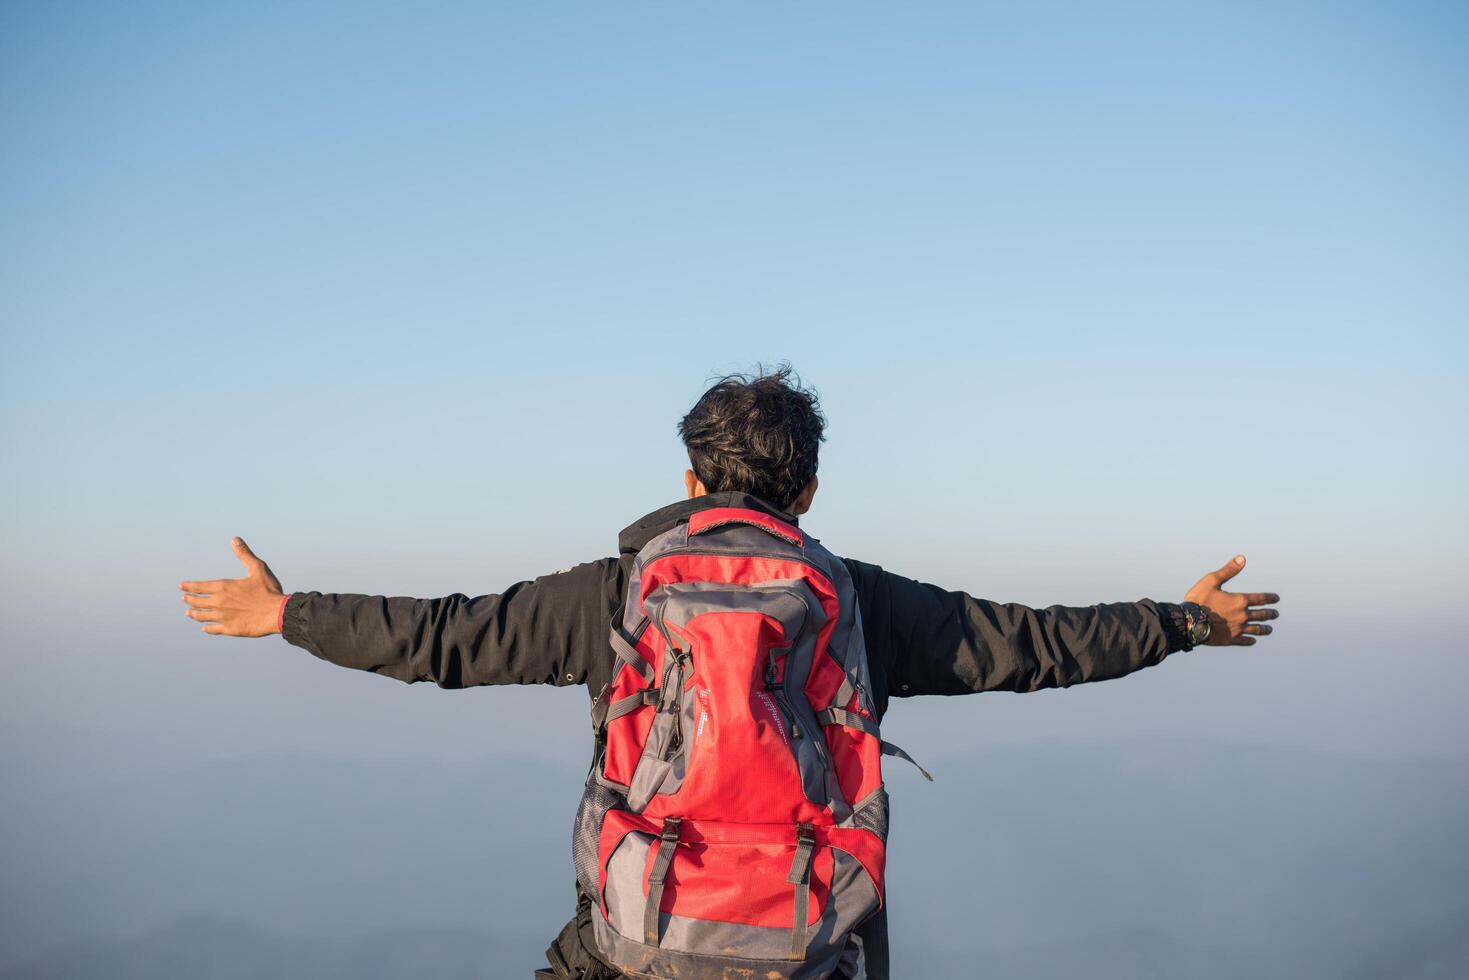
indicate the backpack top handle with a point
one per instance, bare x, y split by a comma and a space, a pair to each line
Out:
715, 517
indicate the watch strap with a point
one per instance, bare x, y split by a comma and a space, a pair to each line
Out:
1198, 623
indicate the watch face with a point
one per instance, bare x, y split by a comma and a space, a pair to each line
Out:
1200, 624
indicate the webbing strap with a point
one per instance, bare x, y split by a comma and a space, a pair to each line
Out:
848, 719
668, 840
800, 876
844, 693
888, 748
629, 655
631, 703
599, 707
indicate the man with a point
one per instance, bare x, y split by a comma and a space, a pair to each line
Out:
752, 444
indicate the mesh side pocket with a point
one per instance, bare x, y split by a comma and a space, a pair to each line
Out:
596, 800
873, 814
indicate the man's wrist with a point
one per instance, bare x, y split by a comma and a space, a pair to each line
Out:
1198, 623
280, 616
1185, 624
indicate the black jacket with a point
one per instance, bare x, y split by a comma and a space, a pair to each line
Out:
921, 639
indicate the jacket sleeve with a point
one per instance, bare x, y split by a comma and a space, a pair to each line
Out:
930, 640
546, 631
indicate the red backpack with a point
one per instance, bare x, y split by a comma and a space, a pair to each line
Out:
734, 822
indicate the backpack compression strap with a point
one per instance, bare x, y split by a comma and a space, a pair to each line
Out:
667, 841
800, 876
850, 719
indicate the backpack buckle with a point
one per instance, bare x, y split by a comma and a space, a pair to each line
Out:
771, 683
670, 829
805, 835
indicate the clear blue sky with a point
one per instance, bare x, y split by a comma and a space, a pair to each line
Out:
411, 296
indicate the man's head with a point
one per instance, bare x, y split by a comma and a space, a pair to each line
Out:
757, 434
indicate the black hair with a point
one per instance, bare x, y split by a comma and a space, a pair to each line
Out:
757, 434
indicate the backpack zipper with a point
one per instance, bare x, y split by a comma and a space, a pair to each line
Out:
787, 707
676, 656
777, 692
701, 553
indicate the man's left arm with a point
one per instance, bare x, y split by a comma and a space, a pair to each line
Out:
928, 640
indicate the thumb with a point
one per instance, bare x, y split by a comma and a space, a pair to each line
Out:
1228, 570
247, 557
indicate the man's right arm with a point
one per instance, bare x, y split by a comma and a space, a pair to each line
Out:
545, 631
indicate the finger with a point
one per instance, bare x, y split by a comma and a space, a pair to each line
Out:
1262, 598
1256, 615
1242, 641
203, 588
200, 601
246, 556
1255, 630
1228, 570
203, 615
214, 629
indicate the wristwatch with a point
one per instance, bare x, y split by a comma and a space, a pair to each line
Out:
1197, 620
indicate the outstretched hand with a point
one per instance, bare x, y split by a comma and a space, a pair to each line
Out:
248, 606
1235, 618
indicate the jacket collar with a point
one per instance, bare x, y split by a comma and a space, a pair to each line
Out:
649, 526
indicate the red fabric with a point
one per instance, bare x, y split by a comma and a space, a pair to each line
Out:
709, 519
730, 872
826, 674
743, 883
625, 739
857, 758
740, 767
626, 735
738, 569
